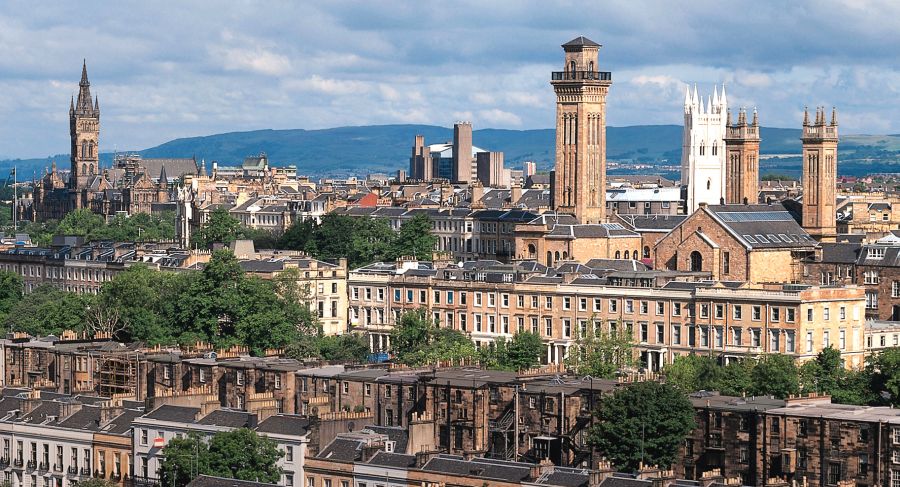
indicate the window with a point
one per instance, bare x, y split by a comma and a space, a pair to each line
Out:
756, 313
644, 307
776, 314
809, 341
773, 340
660, 308
597, 304
720, 311
736, 336
834, 473
660, 333
737, 311
696, 261
289, 453
871, 300
548, 326
826, 314
567, 328
754, 337
825, 341
629, 306
613, 305
789, 341
842, 339
566, 303
809, 314
643, 332
871, 277
144, 437
548, 302
492, 300
676, 334
791, 315
726, 263
676, 309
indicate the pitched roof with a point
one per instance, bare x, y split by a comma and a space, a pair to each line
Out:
177, 414
479, 467
581, 41
228, 418
762, 226
398, 460
284, 424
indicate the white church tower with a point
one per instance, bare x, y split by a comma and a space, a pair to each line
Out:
703, 148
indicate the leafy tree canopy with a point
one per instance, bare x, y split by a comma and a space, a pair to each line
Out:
645, 421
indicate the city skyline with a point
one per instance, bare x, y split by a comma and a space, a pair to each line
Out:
302, 66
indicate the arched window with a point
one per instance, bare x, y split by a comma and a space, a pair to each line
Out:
702, 147
549, 258
84, 148
715, 148
91, 168
531, 250
646, 251
556, 256
634, 254
696, 261
572, 68
83, 168
618, 254
565, 255
708, 183
591, 66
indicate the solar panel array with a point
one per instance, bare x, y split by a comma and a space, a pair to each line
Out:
755, 216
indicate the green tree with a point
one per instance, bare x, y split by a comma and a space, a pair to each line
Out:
884, 371
244, 455
11, 288
415, 340
221, 227
600, 354
81, 222
94, 483
827, 375
47, 310
645, 421
522, 352
414, 239
238, 454
775, 375
351, 347
184, 459
139, 295
298, 235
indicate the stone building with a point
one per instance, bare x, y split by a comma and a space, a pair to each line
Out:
742, 159
666, 315
580, 175
703, 149
752, 243
820, 141
805, 440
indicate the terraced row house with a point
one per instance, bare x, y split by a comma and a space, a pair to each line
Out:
666, 313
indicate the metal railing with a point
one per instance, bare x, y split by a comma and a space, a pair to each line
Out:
581, 76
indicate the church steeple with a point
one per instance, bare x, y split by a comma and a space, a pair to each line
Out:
84, 130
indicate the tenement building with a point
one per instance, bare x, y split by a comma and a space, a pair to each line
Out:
667, 313
807, 440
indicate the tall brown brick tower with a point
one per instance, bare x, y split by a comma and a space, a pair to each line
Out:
820, 141
580, 178
84, 130
742, 159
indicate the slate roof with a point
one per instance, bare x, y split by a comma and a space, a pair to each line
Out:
565, 478
598, 230
616, 265
121, 424
479, 467
581, 41
398, 435
228, 418
762, 226
624, 480
342, 449
650, 223
397, 460
87, 419
840, 253
178, 414
175, 168
284, 424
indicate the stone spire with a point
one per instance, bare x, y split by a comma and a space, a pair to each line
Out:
755, 118
805, 116
728, 117
833, 115
163, 180
84, 105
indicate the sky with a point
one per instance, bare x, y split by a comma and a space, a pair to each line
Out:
165, 70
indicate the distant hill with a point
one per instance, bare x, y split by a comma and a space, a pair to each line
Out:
385, 148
